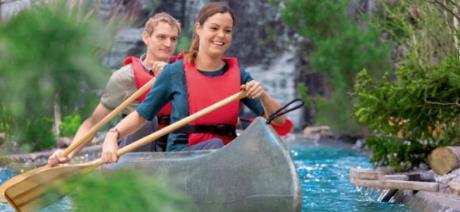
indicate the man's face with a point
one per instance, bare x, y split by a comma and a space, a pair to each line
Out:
162, 42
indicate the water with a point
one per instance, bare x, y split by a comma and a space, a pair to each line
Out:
5, 174
323, 173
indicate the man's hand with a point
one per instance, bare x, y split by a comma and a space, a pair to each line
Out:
56, 158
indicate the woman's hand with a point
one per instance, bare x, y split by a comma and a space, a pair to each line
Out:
157, 67
109, 148
253, 89
56, 158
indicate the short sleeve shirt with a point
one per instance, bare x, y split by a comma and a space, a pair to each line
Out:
120, 87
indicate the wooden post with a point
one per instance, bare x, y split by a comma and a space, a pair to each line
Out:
444, 159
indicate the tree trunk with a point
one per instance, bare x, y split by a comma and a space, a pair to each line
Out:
57, 116
444, 159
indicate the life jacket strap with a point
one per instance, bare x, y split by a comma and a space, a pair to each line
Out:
220, 129
163, 119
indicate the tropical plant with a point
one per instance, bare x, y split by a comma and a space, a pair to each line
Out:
49, 54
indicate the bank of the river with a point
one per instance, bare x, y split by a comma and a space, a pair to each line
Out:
445, 199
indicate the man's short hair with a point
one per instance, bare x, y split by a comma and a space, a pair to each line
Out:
161, 17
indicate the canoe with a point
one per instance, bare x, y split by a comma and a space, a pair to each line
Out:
253, 173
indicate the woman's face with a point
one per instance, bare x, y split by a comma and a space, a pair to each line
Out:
215, 35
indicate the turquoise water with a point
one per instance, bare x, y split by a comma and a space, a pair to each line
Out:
323, 173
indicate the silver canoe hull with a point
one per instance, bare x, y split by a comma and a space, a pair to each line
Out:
253, 173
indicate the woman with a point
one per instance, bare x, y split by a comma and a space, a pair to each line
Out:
203, 77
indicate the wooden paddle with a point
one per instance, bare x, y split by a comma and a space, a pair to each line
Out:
83, 140
29, 193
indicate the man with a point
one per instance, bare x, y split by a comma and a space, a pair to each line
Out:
160, 36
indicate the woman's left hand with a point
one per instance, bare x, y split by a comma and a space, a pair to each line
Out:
253, 89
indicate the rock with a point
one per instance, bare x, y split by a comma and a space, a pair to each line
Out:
359, 144
321, 131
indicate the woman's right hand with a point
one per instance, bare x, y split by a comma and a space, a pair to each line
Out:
56, 158
157, 67
110, 148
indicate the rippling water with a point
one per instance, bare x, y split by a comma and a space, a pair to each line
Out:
5, 174
323, 173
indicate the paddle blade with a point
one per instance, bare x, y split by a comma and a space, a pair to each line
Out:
17, 179
41, 188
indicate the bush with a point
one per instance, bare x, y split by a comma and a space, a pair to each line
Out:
417, 109
70, 125
38, 134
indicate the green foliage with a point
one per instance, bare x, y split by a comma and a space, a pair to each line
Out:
340, 48
340, 121
49, 55
123, 191
418, 109
401, 154
37, 134
423, 28
420, 96
421, 106
316, 20
6, 121
303, 91
70, 125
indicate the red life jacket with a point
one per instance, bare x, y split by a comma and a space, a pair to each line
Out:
141, 77
204, 91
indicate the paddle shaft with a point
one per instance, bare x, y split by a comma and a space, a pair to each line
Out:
170, 128
83, 140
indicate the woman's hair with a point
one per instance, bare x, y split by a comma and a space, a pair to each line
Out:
161, 17
207, 11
